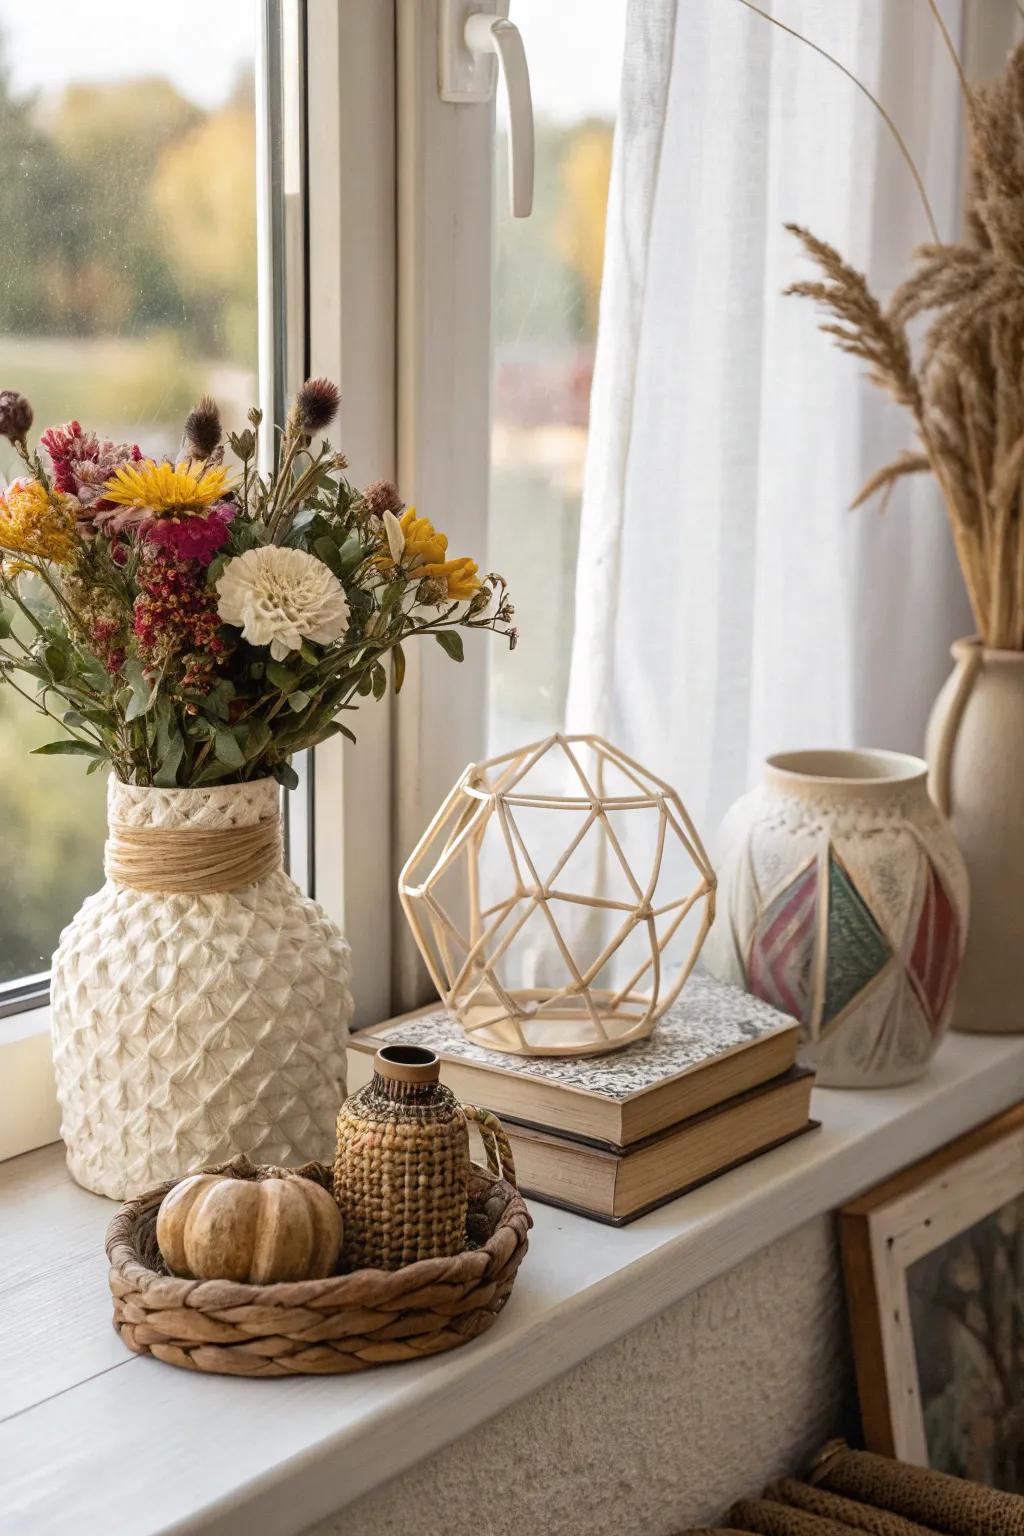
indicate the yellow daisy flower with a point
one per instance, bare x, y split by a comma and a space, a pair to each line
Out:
35, 524
164, 488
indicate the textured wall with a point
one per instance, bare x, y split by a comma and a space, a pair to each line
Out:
662, 1429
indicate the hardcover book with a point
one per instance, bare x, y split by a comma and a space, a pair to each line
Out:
713, 1043
618, 1185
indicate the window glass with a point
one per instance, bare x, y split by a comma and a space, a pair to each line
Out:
127, 288
547, 287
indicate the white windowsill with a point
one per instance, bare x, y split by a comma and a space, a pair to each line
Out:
145, 1448
28, 1102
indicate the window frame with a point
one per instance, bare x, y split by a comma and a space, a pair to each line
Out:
392, 269
445, 157
315, 268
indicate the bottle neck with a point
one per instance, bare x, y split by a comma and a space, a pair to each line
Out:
405, 1093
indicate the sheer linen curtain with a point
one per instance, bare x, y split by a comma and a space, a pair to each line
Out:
729, 604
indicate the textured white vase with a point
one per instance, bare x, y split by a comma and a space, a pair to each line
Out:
189, 1028
843, 901
976, 755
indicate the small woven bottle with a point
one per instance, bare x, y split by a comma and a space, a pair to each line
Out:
401, 1175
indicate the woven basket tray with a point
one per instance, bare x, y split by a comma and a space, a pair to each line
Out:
344, 1323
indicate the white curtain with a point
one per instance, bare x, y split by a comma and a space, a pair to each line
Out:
728, 602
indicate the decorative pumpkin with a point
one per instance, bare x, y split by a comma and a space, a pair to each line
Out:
213, 1227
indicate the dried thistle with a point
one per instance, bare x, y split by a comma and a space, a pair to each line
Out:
15, 417
382, 496
203, 430
316, 405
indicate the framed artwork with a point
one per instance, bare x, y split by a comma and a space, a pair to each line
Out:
934, 1267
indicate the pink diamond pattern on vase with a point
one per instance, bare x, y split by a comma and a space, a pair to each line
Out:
935, 956
782, 947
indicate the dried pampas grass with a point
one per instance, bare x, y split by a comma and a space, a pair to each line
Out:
964, 382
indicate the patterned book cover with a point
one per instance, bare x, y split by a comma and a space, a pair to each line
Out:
707, 1020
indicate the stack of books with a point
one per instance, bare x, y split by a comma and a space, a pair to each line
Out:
614, 1136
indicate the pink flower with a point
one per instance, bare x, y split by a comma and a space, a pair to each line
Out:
83, 463
192, 538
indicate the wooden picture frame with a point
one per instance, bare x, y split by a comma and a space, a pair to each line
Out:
933, 1306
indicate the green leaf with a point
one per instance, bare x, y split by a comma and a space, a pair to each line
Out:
257, 738
226, 749
57, 662
378, 680
6, 622
300, 522
166, 776
73, 717
143, 691
364, 684
285, 774
349, 735
67, 747
139, 703
281, 677
391, 595
213, 772
451, 643
353, 553
298, 701
326, 550
398, 667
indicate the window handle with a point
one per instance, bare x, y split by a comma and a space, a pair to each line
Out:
470, 39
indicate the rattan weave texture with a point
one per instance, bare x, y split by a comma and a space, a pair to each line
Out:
344, 1323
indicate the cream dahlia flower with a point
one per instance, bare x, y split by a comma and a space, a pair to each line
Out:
280, 597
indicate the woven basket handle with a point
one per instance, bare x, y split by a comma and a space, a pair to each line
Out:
492, 1133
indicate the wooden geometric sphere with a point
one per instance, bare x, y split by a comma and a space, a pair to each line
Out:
591, 865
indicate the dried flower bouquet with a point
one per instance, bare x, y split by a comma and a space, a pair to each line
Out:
963, 382
201, 624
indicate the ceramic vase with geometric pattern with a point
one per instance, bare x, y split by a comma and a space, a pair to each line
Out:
189, 1028
843, 901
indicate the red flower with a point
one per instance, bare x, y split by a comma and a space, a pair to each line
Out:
175, 615
192, 538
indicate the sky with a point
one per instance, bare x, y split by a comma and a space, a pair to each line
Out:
574, 52
199, 44
574, 47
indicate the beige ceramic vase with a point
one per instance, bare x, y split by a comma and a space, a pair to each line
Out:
975, 750
843, 902
189, 1028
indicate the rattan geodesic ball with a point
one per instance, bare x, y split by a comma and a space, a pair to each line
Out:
559, 898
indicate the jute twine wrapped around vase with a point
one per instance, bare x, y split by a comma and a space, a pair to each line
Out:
200, 1000
401, 1176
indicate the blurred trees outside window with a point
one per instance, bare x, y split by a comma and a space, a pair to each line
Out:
546, 296
127, 288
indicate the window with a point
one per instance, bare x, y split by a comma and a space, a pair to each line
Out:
128, 209
544, 307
